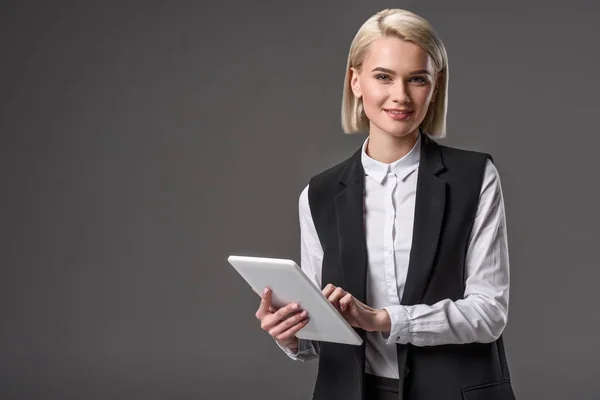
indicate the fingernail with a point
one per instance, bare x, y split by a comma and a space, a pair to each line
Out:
294, 306
266, 290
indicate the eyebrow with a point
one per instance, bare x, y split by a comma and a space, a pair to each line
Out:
389, 71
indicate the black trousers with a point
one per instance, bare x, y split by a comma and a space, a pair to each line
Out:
381, 388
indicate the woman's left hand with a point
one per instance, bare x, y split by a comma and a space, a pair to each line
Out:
358, 314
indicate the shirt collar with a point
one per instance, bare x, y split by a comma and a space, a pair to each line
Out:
402, 167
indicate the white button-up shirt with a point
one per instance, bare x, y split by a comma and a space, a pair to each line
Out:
389, 204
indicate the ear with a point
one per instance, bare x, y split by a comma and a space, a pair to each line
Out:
355, 82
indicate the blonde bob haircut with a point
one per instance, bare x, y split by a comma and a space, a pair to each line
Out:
407, 26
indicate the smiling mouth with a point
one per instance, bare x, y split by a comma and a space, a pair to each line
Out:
399, 111
399, 115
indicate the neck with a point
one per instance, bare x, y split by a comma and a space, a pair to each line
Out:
386, 148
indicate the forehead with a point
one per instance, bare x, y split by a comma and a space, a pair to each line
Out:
397, 54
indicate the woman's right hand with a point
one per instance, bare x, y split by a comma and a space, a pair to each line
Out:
282, 324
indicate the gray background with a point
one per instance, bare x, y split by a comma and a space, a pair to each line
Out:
144, 142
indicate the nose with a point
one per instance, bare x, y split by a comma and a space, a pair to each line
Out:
399, 93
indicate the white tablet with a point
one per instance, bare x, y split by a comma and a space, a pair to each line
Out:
289, 284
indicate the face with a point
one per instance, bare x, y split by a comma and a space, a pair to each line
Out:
397, 83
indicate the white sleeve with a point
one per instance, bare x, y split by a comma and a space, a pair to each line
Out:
481, 315
311, 259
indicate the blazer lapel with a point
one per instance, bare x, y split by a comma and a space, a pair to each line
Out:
351, 238
351, 230
430, 204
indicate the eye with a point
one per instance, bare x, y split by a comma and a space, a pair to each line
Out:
419, 79
382, 77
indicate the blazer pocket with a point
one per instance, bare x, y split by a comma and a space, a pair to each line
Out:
501, 390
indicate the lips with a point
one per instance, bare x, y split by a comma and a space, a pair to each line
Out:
399, 114
398, 111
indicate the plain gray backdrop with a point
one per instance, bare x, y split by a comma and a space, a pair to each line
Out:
143, 142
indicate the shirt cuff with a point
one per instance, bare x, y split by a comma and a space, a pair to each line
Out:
400, 325
306, 350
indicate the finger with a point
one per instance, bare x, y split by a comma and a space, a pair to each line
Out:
345, 302
283, 313
265, 303
282, 326
337, 294
327, 290
291, 332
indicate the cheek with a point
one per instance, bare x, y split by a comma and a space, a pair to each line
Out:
423, 96
374, 97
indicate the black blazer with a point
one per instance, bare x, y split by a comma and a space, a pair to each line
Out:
448, 186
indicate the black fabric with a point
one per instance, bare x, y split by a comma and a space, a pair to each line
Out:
380, 388
448, 186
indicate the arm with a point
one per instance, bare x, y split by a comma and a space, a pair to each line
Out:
311, 257
481, 315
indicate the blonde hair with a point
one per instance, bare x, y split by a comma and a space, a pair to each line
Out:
407, 26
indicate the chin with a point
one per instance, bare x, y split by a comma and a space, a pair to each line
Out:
397, 129
402, 132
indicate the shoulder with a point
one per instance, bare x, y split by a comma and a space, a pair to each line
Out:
470, 169
332, 173
467, 165
325, 183
318, 181
324, 186
478, 164
456, 156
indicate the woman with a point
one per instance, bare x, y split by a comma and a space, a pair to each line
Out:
406, 237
